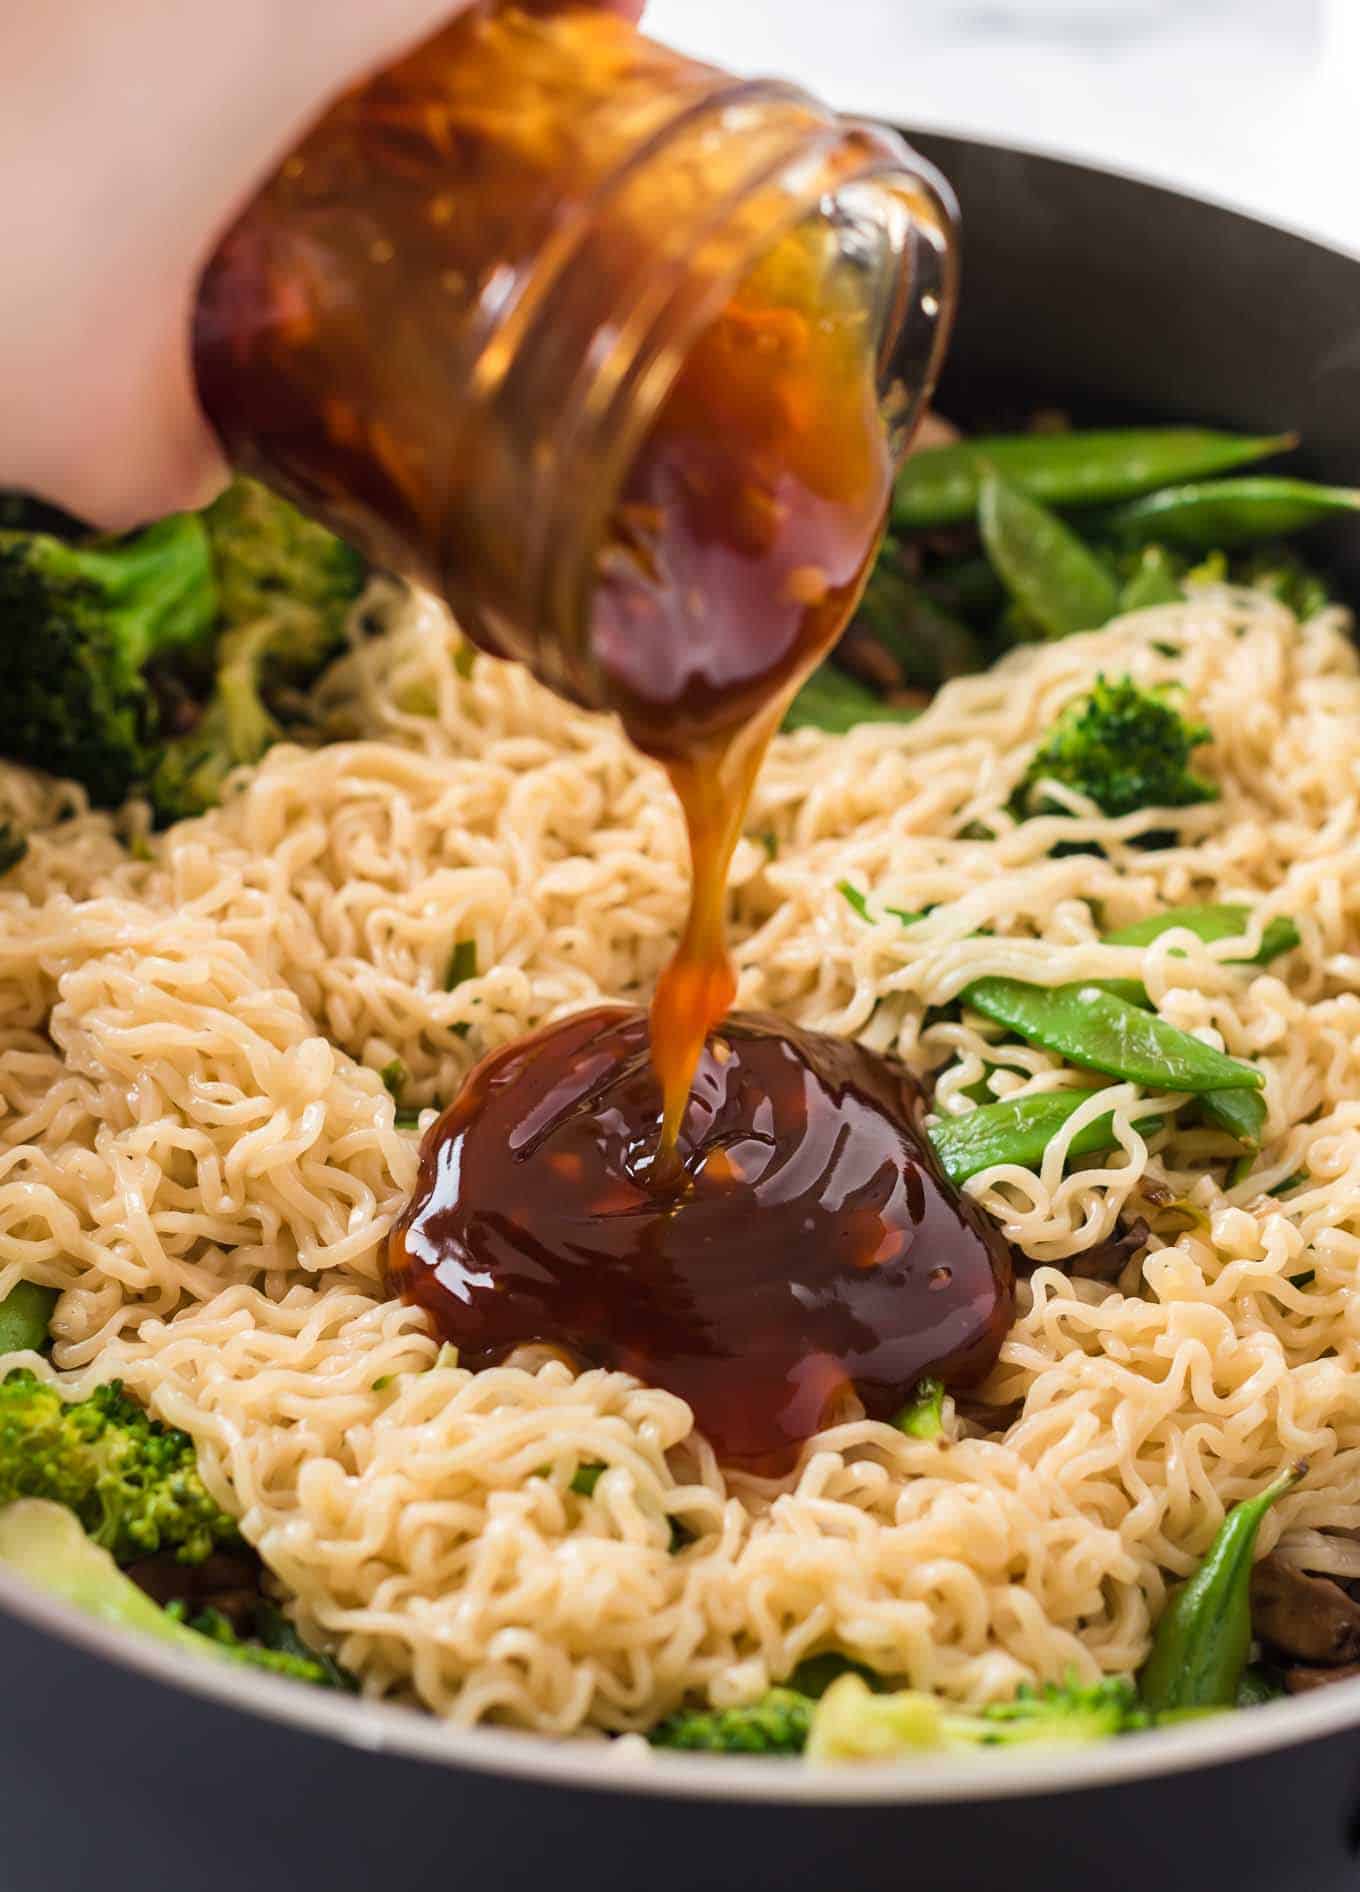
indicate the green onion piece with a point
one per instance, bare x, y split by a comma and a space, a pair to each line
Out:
462, 964
923, 1415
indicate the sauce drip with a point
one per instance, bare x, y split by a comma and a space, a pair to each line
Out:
731, 567
811, 1259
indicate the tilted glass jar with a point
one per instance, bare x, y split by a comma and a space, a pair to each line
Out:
615, 352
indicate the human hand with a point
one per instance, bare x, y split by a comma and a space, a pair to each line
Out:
129, 137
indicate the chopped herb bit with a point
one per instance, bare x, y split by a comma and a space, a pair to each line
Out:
381, 1385
854, 898
1290, 1182
1304, 1280
923, 1416
585, 1478
464, 658
769, 840
462, 964
394, 1076
408, 1119
681, 1535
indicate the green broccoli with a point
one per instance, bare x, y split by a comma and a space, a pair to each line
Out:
82, 630
285, 586
1123, 747
44, 1543
852, 1723
776, 1724
272, 562
132, 1482
276, 1647
160, 661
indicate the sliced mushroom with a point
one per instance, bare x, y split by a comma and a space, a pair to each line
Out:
1308, 1617
1301, 1681
1108, 1259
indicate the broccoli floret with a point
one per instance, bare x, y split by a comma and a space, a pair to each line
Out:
132, 1482
278, 1649
272, 562
852, 1723
1124, 747
80, 627
157, 661
776, 1724
44, 1543
285, 586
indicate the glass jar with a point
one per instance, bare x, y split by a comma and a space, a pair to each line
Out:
615, 352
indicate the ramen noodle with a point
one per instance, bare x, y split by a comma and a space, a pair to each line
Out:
197, 1146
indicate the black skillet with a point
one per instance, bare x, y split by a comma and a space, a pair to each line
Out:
119, 1768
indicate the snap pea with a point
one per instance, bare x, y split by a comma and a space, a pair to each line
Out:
1019, 1130
1224, 921
1227, 512
927, 642
1153, 581
832, 701
1101, 1032
24, 1315
940, 485
1211, 923
923, 1415
966, 588
1199, 1653
1241, 1113
1058, 583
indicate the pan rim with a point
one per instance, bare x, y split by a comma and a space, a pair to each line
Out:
390, 1729
1131, 174
400, 1732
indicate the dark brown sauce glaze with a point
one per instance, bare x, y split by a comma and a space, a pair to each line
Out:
811, 1250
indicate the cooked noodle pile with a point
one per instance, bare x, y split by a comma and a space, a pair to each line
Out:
196, 1145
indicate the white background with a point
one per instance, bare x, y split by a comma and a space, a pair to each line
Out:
1253, 102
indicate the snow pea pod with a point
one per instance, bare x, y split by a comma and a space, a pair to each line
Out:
832, 701
966, 588
1241, 1113
940, 485
1227, 512
1225, 921
1101, 1032
1153, 581
24, 1314
1019, 1130
1199, 1653
1058, 583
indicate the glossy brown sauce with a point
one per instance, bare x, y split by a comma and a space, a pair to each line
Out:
758, 1225
734, 563
810, 1259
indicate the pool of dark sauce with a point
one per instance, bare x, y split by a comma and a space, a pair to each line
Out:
743, 1213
